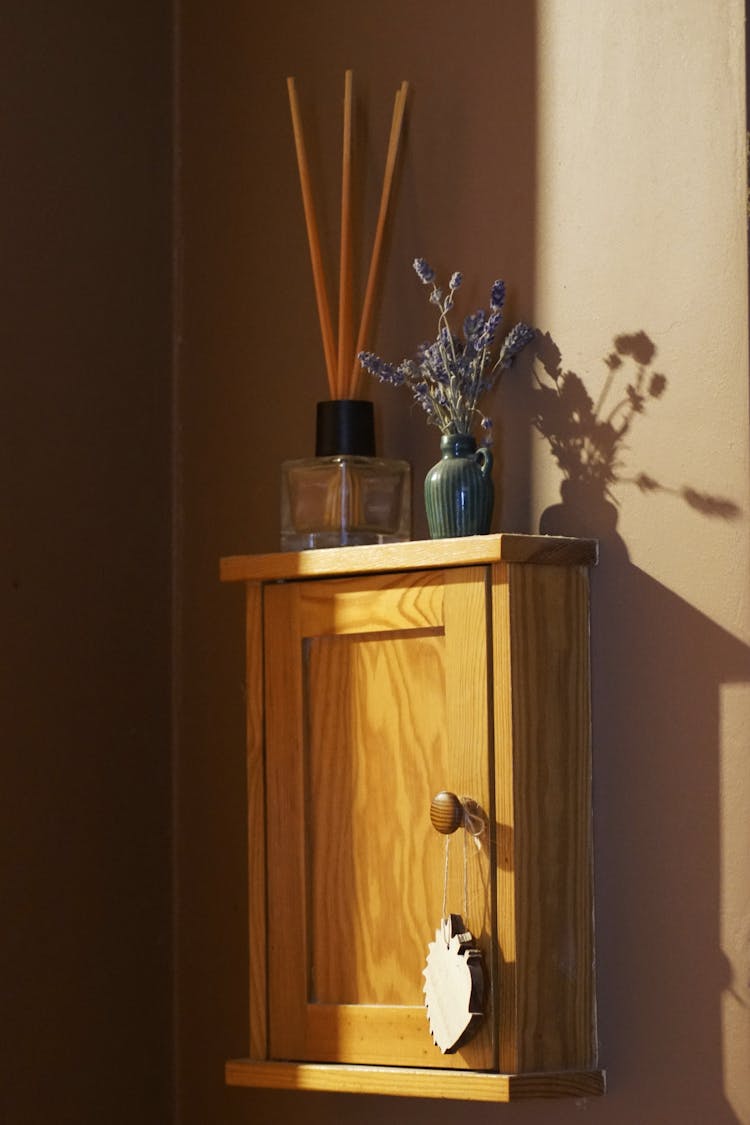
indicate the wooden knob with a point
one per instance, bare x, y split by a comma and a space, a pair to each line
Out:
446, 812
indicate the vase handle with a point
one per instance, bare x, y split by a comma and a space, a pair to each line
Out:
484, 459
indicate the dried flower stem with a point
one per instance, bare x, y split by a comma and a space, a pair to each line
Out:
448, 377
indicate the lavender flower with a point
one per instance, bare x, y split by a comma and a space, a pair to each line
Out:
448, 377
474, 323
486, 337
424, 270
383, 371
517, 339
497, 296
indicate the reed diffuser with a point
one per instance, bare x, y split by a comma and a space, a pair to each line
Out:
344, 495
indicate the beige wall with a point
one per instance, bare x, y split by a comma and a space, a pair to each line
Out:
641, 228
594, 154
85, 774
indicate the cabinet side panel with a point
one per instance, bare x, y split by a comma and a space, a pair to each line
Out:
549, 653
256, 823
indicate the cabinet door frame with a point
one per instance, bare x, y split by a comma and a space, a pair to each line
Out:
455, 601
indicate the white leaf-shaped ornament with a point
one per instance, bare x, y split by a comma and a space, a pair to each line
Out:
454, 985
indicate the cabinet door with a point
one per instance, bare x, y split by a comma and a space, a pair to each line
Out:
376, 699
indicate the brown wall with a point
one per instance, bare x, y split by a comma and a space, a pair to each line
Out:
85, 851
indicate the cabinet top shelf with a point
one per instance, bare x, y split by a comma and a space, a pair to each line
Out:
418, 554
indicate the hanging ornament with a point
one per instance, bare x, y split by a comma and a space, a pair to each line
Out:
454, 985
454, 973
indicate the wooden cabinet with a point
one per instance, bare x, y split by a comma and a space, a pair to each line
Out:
377, 677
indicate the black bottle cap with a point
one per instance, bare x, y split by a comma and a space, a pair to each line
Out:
345, 426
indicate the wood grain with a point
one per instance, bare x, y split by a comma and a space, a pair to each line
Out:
505, 812
467, 737
544, 795
345, 351
382, 689
256, 824
389, 717
400, 1034
376, 884
313, 237
284, 701
446, 812
419, 554
368, 303
415, 1082
336, 608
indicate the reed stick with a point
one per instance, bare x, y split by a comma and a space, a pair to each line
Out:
313, 238
372, 277
346, 327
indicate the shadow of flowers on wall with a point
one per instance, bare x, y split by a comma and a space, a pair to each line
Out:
588, 437
659, 669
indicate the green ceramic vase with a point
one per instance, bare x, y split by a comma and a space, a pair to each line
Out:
458, 492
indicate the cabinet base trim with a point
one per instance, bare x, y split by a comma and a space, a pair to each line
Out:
413, 1082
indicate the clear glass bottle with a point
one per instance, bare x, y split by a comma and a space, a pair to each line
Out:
345, 495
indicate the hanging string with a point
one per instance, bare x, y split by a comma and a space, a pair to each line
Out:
474, 822
474, 826
466, 883
445, 875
